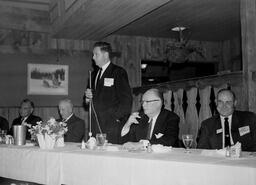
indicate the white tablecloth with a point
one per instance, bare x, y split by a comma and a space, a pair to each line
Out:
72, 166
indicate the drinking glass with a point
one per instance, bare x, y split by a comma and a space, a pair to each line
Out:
101, 139
187, 141
3, 136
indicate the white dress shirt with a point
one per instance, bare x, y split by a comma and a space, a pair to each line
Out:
103, 69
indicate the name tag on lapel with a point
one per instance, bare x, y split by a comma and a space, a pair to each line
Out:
108, 82
244, 130
219, 131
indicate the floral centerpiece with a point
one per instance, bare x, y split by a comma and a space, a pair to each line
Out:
48, 133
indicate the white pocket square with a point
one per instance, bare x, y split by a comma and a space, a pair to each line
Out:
159, 135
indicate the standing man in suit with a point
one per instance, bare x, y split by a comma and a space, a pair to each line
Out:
229, 127
156, 124
110, 94
26, 116
75, 125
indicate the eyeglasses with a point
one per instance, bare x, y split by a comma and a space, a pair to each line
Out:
148, 101
228, 103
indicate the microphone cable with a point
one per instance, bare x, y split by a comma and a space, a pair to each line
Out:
96, 117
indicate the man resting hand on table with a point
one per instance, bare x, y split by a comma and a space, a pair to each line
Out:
156, 124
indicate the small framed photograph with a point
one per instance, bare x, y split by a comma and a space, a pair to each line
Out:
47, 79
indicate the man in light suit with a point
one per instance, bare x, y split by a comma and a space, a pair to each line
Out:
229, 127
75, 125
26, 117
156, 124
110, 94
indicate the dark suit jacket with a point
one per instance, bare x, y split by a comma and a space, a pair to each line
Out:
167, 123
76, 129
32, 119
112, 101
4, 125
209, 139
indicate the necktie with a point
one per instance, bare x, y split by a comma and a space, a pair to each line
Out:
98, 77
149, 129
227, 136
23, 120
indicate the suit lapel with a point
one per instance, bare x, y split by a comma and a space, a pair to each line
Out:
141, 133
69, 125
158, 124
70, 120
106, 73
234, 127
217, 140
94, 74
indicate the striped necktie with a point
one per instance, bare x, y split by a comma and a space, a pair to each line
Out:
149, 129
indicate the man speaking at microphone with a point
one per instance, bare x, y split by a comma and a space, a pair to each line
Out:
110, 94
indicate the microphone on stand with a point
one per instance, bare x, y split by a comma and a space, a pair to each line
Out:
90, 105
92, 141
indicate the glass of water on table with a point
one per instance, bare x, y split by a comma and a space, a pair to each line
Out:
187, 141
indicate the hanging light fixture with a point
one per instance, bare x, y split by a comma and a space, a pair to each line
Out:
179, 51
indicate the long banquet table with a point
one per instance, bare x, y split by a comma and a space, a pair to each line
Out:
71, 165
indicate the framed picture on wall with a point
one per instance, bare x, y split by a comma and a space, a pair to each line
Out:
47, 79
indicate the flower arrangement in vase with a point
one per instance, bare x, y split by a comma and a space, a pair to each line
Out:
49, 133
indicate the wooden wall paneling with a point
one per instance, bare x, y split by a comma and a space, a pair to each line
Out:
205, 111
4, 112
89, 22
135, 49
240, 96
22, 18
191, 116
136, 106
167, 99
236, 54
231, 55
178, 96
126, 47
226, 56
47, 112
13, 113
248, 30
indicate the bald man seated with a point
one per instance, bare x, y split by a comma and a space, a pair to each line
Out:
155, 123
75, 125
229, 126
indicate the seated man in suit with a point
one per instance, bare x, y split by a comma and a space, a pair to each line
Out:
156, 124
4, 125
229, 126
26, 116
75, 125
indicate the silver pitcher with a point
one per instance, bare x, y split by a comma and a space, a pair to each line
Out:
19, 133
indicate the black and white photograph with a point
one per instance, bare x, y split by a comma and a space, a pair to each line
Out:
47, 79
128, 92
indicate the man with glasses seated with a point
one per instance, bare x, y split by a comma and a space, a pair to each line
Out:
229, 126
155, 123
26, 116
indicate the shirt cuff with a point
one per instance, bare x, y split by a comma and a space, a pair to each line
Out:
125, 130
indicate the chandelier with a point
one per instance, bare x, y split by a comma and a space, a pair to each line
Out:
180, 51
